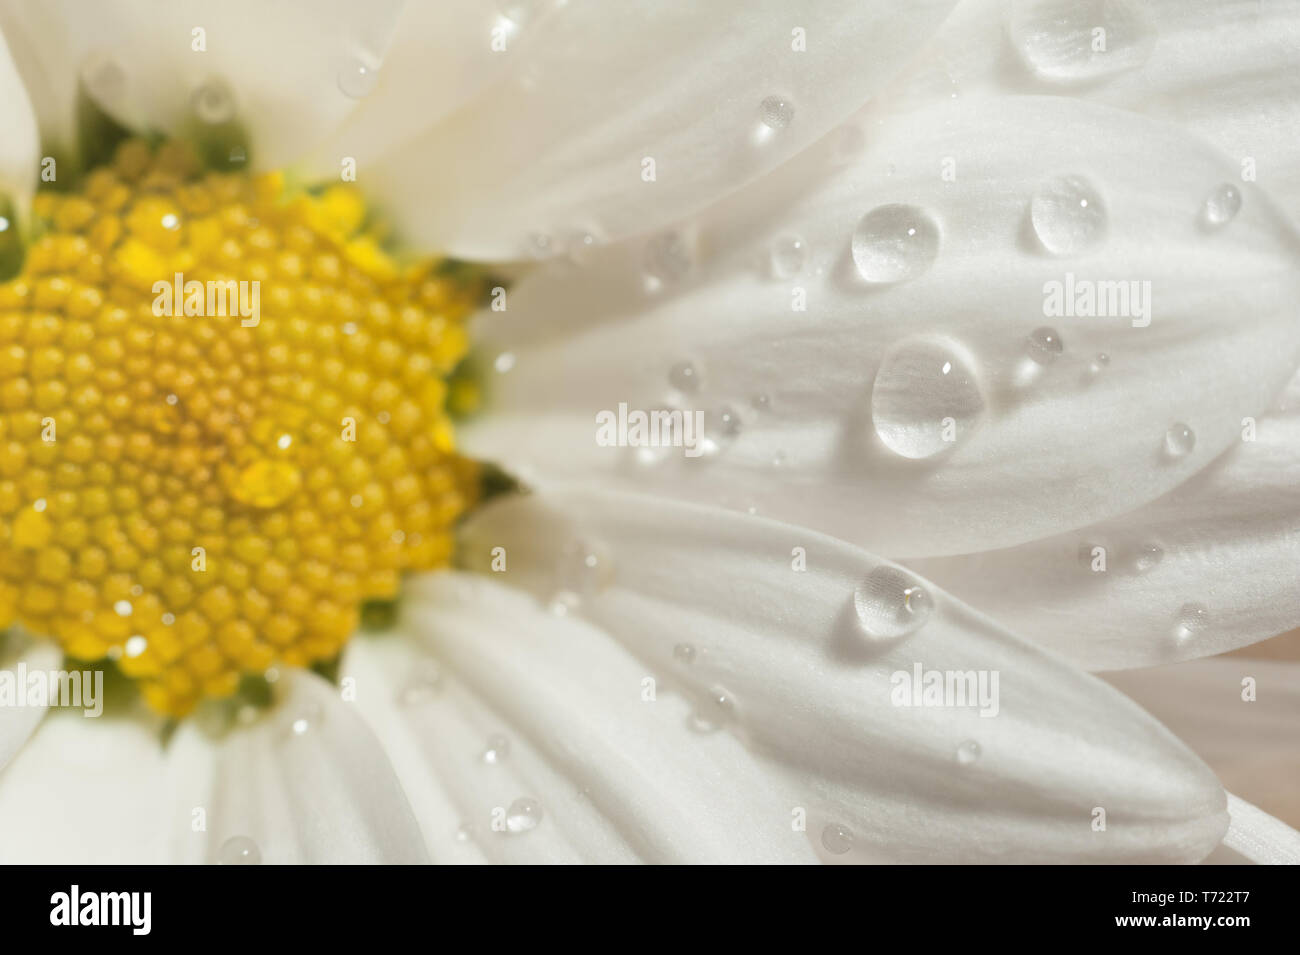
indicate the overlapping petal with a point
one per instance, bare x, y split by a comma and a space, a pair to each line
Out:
19, 657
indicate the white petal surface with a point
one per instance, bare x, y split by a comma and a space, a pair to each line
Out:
19, 146
1255, 836
17, 723
779, 657
285, 79
484, 700
1222, 69
557, 148
1040, 448
1226, 542
1250, 745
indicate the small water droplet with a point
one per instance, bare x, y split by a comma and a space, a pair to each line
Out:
498, 748
305, 718
1099, 363
284, 441
776, 112
239, 850
1221, 206
39, 506
213, 102
1192, 618
1068, 215
123, 608
1144, 557
891, 603
585, 569
968, 752
504, 362
684, 377
423, 685
464, 832
524, 815
787, 256
925, 398
1179, 441
761, 402
357, 79
721, 427
837, 839
894, 243
684, 653
667, 258
135, 645
172, 399
1044, 345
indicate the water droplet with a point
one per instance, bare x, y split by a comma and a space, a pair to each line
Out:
1192, 618
305, 718
498, 748
1068, 215
123, 608
925, 398
464, 832
284, 441
1144, 557
1057, 39
172, 399
39, 506
239, 850
524, 815
1179, 441
135, 645
1221, 206
357, 79
837, 839
423, 684
721, 427
667, 258
213, 102
585, 569
787, 256
761, 402
895, 243
1044, 345
1099, 363
891, 603
684, 653
684, 377
968, 752
776, 112
717, 709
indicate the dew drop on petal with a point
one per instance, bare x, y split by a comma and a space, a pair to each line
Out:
1044, 345
891, 603
213, 102
968, 752
837, 839
239, 850
1099, 363
1221, 206
684, 377
357, 79
775, 112
925, 399
524, 815
787, 256
305, 718
1080, 41
1179, 441
498, 748
1191, 620
465, 832
585, 568
1068, 215
684, 653
894, 243
667, 258
1145, 557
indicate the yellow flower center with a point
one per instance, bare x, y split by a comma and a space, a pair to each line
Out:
222, 423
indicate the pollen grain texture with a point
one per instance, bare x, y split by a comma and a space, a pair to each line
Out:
200, 496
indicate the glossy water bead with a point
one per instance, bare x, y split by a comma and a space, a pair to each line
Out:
178, 530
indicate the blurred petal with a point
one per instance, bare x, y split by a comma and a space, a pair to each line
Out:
1222, 69
1249, 743
19, 146
557, 149
614, 778
1226, 543
307, 784
1039, 446
288, 81
17, 723
1255, 836
781, 658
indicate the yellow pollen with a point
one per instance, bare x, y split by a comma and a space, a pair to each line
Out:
222, 423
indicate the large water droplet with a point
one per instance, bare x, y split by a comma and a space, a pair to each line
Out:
776, 112
1221, 206
1191, 620
524, 815
239, 850
837, 839
1045, 345
968, 752
1179, 441
787, 256
891, 603
925, 399
357, 79
1068, 215
894, 243
1079, 41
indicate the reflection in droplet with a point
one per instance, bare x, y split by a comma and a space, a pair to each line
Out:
775, 112
1221, 206
891, 603
1044, 345
1191, 620
524, 815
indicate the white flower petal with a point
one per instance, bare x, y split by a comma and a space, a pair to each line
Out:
557, 149
87, 792
19, 146
17, 723
1255, 836
1046, 447
809, 690
617, 778
1223, 69
1250, 745
285, 79
1227, 542
307, 783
